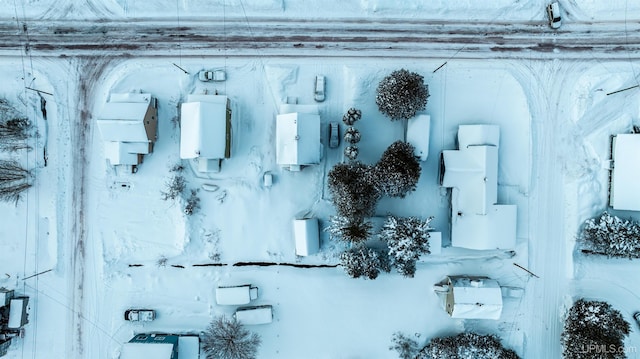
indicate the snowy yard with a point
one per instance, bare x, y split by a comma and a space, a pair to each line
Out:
108, 242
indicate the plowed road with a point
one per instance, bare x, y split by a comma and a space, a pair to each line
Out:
401, 38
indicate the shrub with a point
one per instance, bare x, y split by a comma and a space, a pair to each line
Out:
192, 203
406, 347
352, 135
351, 152
228, 339
402, 94
352, 116
174, 188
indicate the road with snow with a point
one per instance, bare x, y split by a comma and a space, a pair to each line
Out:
389, 38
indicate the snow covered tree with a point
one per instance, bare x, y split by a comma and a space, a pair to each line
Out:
593, 329
352, 135
398, 171
407, 239
353, 195
406, 347
611, 236
352, 116
228, 339
466, 346
351, 152
361, 261
352, 230
14, 180
402, 94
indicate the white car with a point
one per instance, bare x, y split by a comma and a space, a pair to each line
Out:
553, 12
318, 93
215, 75
139, 315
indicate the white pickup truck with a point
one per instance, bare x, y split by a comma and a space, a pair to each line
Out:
139, 315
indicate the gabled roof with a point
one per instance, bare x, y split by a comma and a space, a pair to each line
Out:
626, 171
203, 128
306, 235
146, 351
298, 139
477, 222
475, 298
122, 118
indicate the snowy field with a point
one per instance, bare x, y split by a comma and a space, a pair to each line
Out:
555, 120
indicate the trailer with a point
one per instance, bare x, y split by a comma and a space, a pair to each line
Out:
236, 294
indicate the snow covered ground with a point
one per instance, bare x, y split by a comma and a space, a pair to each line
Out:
89, 223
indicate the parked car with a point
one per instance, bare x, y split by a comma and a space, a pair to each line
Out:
318, 93
215, 75
139, 315
636, 317
553, 12
334, 134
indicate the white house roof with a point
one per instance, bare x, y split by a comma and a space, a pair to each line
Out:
125, 153
472, 172
188, 347
233, 295
475, 298
297, 139
16, 311
626, 171
203, 129
122, 118
306, 235
147, 351
418, 131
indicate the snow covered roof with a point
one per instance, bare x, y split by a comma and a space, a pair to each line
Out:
233, 295
418, 131
188, 347
626, 171
297, 139
122, 118
17, 313
125, 153
474, 298
204, 131
472, 173
261, 314
306, 235
147, 351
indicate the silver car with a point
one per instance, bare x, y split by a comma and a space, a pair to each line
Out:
318, 93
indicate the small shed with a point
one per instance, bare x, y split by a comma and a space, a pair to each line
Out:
254, 315
18, 316
298, 140
307, 236
128, 124
418, 132
625, 153
205, 130
236, 294
473, 297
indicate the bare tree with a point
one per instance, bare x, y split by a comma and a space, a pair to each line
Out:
229, 339
14, 180
406, 347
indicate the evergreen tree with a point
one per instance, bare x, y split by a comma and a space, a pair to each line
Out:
228, 339
14, 180
348, 229
398, 171
593, 329
466, 346
407, 239
402, 94
353, 195
352, 116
